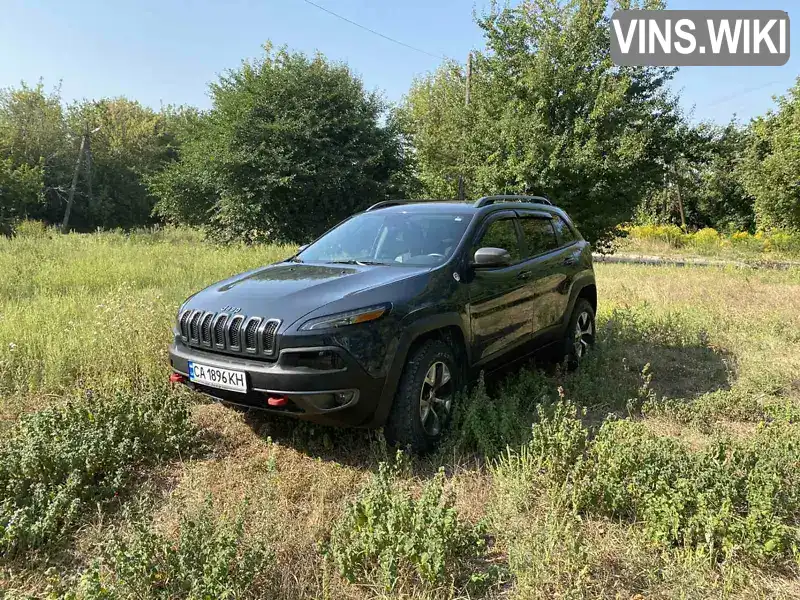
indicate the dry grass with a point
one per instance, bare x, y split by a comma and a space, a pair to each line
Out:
716, 341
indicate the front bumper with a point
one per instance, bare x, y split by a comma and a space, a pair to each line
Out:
308, 390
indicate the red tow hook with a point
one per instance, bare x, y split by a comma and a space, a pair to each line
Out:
176, 378
277, 401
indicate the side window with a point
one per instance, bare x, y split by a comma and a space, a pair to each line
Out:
565, 234
501, 234
540, 237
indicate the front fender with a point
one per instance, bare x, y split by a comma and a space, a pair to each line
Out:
411, 329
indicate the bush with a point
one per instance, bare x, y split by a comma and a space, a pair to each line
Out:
387, 535
669, 234
706, 238
59, 463
730, 498
32, 229
210, 559
487, 425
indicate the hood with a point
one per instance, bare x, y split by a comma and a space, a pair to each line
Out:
288, 291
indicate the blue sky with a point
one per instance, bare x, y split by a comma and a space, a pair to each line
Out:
168, 51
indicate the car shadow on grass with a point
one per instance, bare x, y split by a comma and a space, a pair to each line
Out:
625, 369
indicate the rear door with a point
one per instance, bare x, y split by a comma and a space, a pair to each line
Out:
546, 271
500, 302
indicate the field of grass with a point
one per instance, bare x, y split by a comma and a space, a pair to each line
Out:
668, 466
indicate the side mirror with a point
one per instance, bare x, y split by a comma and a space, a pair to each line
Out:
491, 257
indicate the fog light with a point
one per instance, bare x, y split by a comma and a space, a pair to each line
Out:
343, 398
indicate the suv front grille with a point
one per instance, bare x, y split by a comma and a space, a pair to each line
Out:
229, 333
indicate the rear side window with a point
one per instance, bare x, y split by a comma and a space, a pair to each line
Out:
501, 234
565, 234
539, 235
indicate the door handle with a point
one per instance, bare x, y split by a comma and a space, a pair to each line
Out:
569, 261
523, 275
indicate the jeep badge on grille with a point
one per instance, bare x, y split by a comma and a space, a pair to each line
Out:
231, 309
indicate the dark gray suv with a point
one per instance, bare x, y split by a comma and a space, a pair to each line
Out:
383, 319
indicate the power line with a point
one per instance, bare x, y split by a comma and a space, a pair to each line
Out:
744, 92
386, 37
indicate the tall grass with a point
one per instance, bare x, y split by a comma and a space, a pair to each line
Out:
698, 368
97, 310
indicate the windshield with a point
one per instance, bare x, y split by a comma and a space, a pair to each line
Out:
390, 238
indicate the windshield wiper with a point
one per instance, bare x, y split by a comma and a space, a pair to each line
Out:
295, 259
355, 262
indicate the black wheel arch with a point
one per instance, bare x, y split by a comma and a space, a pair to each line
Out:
447, 326
582, 287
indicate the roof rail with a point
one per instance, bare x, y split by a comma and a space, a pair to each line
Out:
384, 204
487, 200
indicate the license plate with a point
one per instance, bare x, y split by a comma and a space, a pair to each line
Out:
225, 379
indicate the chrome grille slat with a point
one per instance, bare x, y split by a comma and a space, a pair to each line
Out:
183, 324
250, 335
205, 329
194, 323
218, 331
268, 336
235, 334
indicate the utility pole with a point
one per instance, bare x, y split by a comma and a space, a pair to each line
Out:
466, 103
71, 197
680, 200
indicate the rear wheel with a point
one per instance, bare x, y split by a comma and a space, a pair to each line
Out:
423, 402
580, 334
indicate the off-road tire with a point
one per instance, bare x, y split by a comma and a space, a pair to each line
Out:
404, 425
572, 359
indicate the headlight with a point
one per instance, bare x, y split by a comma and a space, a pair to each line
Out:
362, 315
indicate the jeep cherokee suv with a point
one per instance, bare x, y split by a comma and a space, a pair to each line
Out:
382, 320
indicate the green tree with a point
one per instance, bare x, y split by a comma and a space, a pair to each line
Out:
291, 145
35, 144
130, 142
20, 192
549, 113
770, 170
702, 172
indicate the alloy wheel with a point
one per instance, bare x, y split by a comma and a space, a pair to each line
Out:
436, 398
584, 334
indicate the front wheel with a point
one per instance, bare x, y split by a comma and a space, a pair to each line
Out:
423, 402
580, 334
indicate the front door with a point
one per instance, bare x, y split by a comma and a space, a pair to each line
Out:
500, 301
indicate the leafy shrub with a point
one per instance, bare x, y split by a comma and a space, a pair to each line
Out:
385, 534
486, 425
705, 238
558, 439
784, 241
669, 234
210, 559
31, 229
710, 241
556, 448
728, 498
58, 463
